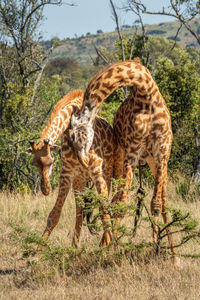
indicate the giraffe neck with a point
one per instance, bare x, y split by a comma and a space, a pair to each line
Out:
61, 116
126, 73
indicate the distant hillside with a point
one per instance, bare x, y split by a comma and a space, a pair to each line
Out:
82, 48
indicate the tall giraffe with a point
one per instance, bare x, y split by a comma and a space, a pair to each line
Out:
142, 127
100, 165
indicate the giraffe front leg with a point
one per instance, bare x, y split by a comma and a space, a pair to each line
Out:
78, 226
55, 213
102, 189
97, 176
78, 184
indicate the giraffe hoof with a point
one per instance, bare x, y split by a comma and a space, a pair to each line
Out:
176, 262
106, 239
34, 259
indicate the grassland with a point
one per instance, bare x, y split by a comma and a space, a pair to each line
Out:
91, 273
82, 48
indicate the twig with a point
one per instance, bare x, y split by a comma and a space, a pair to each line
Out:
121, 40
173, 221
101, 55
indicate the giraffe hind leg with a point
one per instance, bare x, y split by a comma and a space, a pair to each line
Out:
166, 217
162, 204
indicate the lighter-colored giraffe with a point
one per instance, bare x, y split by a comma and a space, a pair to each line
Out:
142, 127
100, 165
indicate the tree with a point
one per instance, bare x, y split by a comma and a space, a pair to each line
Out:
19, 25
22, 110
182, 10
179, 84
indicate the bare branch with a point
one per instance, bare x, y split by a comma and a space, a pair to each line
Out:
120, 38
101, 55
37, 81
36, 8
118, 30
174, 221
132, 44
174, 11
192, 236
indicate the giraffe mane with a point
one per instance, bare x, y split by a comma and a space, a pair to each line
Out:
66, 100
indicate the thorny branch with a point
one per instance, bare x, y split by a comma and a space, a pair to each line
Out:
160, 236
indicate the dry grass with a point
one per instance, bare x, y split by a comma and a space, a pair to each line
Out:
90, 275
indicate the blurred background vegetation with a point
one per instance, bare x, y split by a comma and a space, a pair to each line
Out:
35, 74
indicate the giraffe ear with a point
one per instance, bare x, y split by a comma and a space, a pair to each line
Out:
74, 120
33, 146
29, 151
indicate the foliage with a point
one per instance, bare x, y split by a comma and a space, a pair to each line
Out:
173, 38
156, 31
184, 11
179, 84
71, 74
23, 106
111, 105
23, 121
133, 46
177, 75
184, 228
107, 40
19, 26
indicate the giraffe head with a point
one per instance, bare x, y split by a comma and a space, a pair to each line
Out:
81, 136
43, 160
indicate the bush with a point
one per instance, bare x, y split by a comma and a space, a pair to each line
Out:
155, 32
173, 38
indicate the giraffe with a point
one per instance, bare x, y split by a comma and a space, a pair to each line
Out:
142, 127
100, 165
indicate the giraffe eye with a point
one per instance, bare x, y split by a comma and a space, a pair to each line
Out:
73, 137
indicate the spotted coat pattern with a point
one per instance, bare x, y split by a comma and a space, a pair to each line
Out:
142, 127
100, 163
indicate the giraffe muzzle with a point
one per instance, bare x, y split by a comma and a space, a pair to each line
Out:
45, 187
